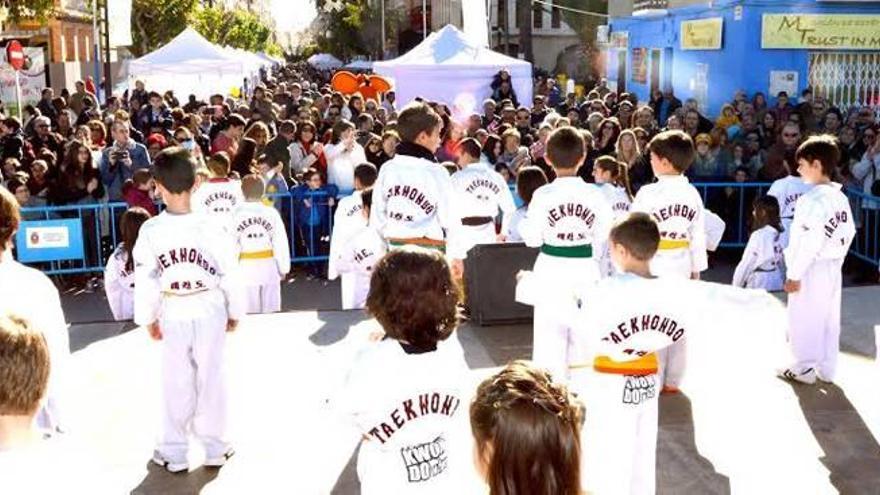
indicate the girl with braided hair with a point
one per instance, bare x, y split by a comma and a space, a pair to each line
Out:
526, 431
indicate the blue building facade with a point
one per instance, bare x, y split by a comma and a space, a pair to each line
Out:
648, 53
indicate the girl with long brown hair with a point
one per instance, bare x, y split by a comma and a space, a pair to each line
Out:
526, 431
119, 272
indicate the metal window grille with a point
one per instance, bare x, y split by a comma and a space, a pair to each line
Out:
846, 79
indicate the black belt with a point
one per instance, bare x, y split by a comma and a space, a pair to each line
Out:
476, 221
765, 270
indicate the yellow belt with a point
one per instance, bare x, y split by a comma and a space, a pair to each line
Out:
257, 255
666, 244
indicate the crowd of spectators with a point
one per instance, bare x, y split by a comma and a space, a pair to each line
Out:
70, 150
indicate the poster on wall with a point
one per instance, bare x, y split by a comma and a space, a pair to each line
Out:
700, 87
32, 80
821, 31
640, 65
783, 80
701, 34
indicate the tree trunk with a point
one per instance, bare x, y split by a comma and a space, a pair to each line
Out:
524, 22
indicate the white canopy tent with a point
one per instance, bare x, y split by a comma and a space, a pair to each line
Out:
448, 67
359, 65
324, 61
269, 58
190, 64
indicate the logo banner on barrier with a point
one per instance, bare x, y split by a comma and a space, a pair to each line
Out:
49, 240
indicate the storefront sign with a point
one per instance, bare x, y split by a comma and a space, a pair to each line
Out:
49, 240
701, 34
640, 65
821, 32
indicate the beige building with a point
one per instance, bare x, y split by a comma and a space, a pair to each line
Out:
551, 37
67, 40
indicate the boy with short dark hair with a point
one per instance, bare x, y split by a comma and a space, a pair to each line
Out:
357, 256
347, 221
821, 233
413, 204
677, 208
623, 323
568, 220
481, 193
220, 195
187, 294
265, 254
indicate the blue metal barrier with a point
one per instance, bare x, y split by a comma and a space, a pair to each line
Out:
866, 210
309, 225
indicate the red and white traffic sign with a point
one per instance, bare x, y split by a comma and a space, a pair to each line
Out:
15, 54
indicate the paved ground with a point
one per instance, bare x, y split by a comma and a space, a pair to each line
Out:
739, 431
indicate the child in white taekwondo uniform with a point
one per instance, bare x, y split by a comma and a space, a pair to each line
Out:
762, 265
187, 295
119, 272
348, 220
413, 199
265, 254
359, 255
821, 233
612, 177
568, 220
623, 322
528, 180
219, 196
28, 294
787, 190
481, 192
677, 208
410, 442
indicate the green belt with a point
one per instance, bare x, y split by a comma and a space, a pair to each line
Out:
581, 251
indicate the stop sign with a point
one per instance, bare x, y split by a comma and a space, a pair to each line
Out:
15, 54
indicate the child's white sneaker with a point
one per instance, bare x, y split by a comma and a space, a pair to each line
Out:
807, 376
220, 460
171, 467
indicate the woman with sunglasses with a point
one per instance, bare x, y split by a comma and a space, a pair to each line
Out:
306, 152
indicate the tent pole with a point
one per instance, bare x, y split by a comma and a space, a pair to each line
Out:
424, 19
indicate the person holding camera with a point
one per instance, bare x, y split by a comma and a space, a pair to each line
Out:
120, 160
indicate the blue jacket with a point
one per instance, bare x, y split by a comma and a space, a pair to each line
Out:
115, 173
320, 212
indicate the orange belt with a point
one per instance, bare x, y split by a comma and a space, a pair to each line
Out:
418, 241
257, 255
645, 365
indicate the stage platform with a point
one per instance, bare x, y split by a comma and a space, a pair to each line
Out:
735, 430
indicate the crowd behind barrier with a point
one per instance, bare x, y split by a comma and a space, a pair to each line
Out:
309, 242
74, 156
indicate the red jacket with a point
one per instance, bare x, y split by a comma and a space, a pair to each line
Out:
136, 197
